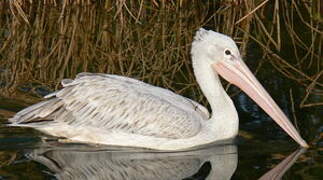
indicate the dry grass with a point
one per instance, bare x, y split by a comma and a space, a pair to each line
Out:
46, 41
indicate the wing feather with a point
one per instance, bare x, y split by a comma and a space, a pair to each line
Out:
117, 103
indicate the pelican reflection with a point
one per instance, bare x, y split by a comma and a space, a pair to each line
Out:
217, 162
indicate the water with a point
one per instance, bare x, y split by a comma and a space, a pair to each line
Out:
153, 46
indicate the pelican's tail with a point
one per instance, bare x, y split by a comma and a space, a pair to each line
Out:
40, 112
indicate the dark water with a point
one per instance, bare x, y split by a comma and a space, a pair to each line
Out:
56, 43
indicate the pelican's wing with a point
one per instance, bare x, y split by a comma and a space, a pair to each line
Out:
111, 102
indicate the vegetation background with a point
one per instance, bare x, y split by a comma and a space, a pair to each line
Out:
44, 41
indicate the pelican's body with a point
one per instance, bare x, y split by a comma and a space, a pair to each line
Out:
116, 110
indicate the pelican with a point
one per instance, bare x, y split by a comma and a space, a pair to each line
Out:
121, 111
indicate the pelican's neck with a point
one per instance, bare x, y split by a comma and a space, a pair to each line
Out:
224, 120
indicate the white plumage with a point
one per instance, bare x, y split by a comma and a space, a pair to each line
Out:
117, 103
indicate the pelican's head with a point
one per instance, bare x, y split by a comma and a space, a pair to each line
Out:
220, 53
215, 46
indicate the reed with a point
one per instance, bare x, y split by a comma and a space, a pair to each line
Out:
46, 41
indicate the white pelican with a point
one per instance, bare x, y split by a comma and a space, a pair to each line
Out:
116, 110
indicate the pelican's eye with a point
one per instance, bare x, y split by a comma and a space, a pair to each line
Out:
227, 52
